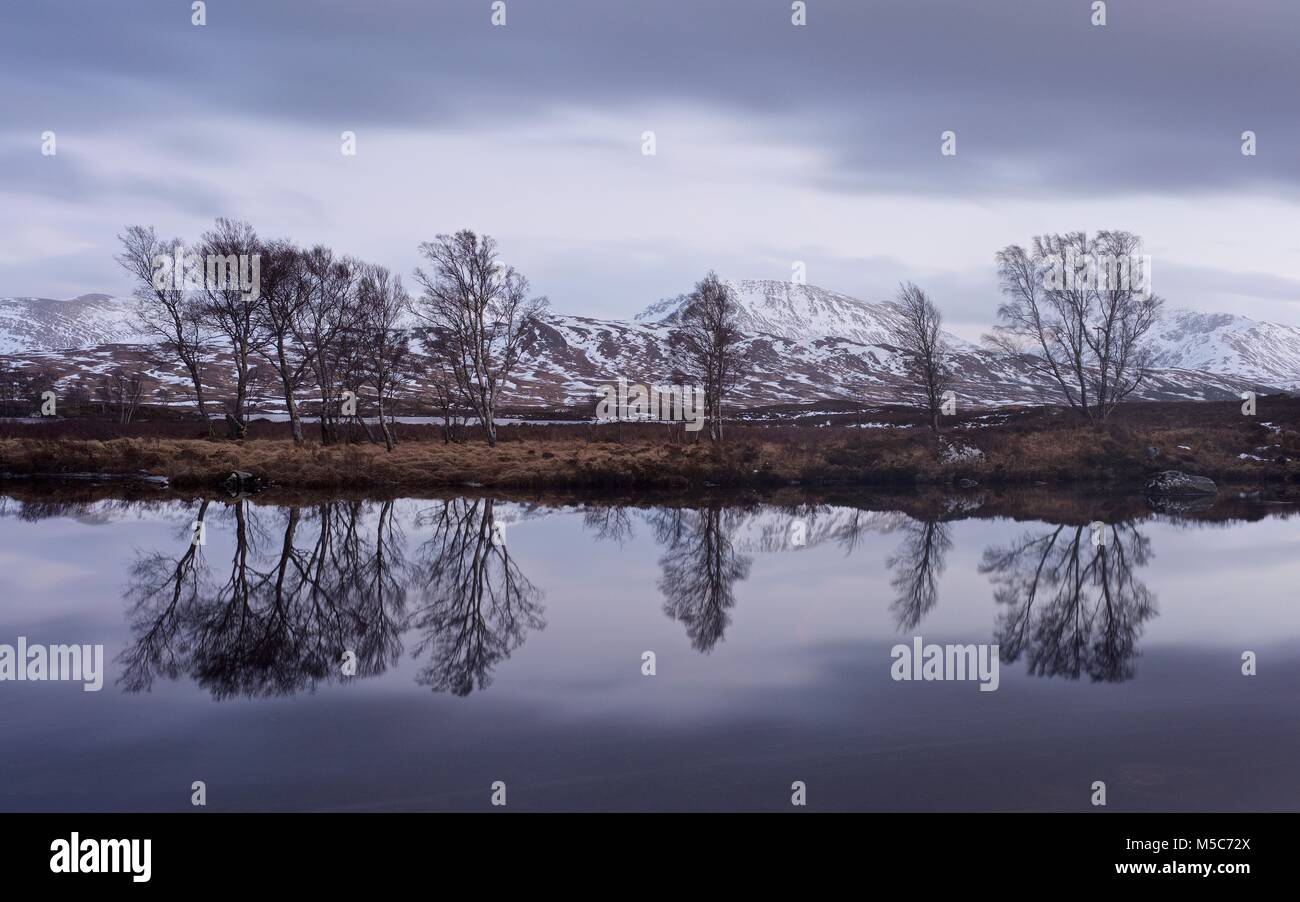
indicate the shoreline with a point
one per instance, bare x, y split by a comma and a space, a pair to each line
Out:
1076, 504
1077, 457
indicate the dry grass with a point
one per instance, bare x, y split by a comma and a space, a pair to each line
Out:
1025, 447
1062, 455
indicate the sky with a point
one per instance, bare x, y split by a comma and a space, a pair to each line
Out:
775, 143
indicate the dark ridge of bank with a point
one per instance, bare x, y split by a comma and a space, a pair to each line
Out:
1070, 504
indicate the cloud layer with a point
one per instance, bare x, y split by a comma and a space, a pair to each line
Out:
775, 143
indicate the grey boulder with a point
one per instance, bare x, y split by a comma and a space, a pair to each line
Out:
1176, 482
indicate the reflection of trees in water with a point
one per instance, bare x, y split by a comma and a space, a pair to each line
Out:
476, 606
610, 523
704, 550
1072, 607
160, 591
700, 567
279, 616
917, 565
304, 585
771, 529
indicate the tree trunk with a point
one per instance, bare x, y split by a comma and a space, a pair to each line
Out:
365, 427
383, 426
234, 427
238, 426
198, 397
295, 420
490, 421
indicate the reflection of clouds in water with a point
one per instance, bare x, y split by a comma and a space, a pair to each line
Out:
29, 572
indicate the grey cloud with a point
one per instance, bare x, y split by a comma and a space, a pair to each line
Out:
1042, 101
71, 176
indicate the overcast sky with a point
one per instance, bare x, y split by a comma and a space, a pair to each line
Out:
775, 143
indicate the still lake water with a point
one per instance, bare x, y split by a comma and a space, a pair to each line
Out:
522, 662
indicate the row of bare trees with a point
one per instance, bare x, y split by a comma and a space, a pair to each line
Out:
118, 393
316, 319
327, 324
1085, 335
321, 321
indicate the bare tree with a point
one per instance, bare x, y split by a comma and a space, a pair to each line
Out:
329, 315
164, 307
706, 344
482, 312
232, 311
125, 391
447, 399
919, 335
1074, 310
285, 298
383, 306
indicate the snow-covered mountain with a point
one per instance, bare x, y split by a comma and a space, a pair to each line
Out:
46, 324
1225, 343
801, 312
802, 343
805, 343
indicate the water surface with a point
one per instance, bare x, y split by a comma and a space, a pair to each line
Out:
504, 640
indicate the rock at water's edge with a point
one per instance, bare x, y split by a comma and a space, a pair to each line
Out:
1176, 482
241, 482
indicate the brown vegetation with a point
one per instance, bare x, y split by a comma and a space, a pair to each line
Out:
1020, 447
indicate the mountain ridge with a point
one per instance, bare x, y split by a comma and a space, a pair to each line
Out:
801, 343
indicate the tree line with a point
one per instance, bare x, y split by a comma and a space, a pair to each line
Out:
328, 324
329, 328
332, 326
1072, 313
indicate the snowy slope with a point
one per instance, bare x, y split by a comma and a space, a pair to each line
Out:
801, 343
801, 313
1225, 343
46, 324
